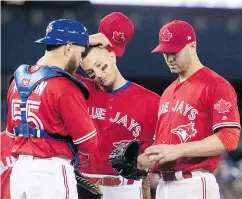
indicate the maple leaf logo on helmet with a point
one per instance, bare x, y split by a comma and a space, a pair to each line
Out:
118, 37
222, 106
166, 35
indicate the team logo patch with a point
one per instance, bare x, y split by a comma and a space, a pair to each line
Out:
166, 35
118, 37
25, 82
49, 29
185, 132
222, 106
121, 143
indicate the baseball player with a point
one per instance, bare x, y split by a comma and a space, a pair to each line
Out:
121, 110
7, 162
49, 129
198, 120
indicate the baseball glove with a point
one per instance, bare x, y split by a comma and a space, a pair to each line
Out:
124, 160
86, 189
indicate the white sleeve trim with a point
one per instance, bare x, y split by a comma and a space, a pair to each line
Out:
11, 135
85, 138
226, 124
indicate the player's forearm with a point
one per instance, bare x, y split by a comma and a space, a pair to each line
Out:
99, 39
143, 162
210, 146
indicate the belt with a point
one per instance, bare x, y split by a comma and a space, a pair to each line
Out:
110, 181
174, 176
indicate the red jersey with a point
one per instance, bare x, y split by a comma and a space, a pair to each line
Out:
56, 105
7, 162
121, 116
193, 110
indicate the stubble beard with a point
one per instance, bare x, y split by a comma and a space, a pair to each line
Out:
71, 66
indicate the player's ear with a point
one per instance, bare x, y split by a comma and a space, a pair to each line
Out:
193, 47
68, 49
112, 57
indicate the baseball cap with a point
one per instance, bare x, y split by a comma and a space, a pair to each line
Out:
63, 31
174, 36
119, 29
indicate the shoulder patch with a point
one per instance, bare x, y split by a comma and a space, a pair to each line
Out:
222, 106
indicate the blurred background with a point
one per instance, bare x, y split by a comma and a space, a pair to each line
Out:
218, 25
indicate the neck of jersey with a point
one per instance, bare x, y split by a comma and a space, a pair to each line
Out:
126, 85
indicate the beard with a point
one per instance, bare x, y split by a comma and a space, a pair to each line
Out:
71, 66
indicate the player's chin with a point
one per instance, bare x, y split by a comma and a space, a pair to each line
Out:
107, 84
174, 70
103, 83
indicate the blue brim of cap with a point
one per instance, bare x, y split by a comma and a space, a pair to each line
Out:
47, 40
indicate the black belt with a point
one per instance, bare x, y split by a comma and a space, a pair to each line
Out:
171, 176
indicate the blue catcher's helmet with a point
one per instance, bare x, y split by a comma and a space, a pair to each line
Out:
63, 31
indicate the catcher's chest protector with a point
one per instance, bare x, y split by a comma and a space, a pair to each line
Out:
26, 82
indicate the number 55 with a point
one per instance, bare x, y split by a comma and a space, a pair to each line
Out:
31, 108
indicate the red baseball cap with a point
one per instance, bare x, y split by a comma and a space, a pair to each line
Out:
119, 29
174, 36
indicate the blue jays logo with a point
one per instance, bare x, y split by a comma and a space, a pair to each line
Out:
49, 29
185, 132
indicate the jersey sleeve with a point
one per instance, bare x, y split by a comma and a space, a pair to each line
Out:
224, 108
77, 120
152, 106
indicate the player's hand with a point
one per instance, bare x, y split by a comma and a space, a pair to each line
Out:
99, 39
163, 153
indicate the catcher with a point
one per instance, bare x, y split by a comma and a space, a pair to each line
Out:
53, 90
